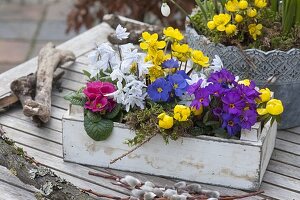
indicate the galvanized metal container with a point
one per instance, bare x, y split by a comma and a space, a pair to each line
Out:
260, 66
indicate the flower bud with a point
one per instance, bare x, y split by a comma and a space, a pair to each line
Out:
274, 107
265, 94
251, 12
243, 4
165, 9
238, 18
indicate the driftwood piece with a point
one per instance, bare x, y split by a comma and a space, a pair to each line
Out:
48, 60
29, 172
134, 27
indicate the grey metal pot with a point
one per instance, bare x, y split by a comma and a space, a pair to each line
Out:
260, 66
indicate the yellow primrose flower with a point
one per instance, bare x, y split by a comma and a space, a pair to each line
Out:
199, 58
165, 121
150, 42
260, 3
262, 111
181, 113
221, 20
251, 12
230, 29
197, 112
238, 18
232, 6
265, 95
211, 25
155, 72
274, 107
159, 57
173, 34
255, 30
245, 82
243, 4
181, 51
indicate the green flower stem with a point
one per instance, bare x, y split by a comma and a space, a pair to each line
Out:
289, 13
199, 3
274, 5
185, 66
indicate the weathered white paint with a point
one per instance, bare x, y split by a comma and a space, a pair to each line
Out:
231, 163
253, 134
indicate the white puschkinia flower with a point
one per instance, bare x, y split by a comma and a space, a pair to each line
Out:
165, 9
121, 32
216, 64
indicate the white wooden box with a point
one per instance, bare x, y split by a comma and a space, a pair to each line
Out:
204, 159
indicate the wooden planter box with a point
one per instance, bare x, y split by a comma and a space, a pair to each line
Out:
232, 163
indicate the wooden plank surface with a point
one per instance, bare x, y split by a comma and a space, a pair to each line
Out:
281, 181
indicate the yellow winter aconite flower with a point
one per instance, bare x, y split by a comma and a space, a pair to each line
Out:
265, 95
150, 42
155, 72
260, 3
158, 57
255, 30
165, 121
245, 82
173, 34
197, 112
251, 12
230, 29
181, 113
262, 111
232, 5
243, 4
221, 20
238, 18
181, 51
199, 58
273, 107
211, 25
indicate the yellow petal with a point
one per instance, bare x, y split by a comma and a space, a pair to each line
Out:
261, 111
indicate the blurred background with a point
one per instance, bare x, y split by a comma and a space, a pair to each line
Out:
27, 25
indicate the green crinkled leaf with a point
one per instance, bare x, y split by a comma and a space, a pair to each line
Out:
94, 117
212, 123
196, 131
76, 98
206, 116
100, 130
113, 113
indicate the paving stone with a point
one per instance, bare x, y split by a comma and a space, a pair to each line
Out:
17, 30
55, 30
13, 51
59, 10
26, 12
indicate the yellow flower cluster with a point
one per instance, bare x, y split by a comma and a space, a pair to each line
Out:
181, 114
273, 106
156, 51
240, 16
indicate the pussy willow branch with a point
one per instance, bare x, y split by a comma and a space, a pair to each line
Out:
132, 150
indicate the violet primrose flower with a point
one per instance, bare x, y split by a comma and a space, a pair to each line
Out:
223, 77
159, 90
201, 98
233, 103
248, 119
231, 123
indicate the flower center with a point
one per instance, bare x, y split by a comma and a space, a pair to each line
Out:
231, 105
99, 105
201, 100
175, 86
230, 123
159, 90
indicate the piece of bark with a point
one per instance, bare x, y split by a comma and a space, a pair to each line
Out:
49, 59
134, 27
8, 100
51, 186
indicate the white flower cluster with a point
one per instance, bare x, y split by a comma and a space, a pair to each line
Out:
126, 67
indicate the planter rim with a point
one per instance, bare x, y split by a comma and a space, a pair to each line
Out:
79, 117
245, 50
